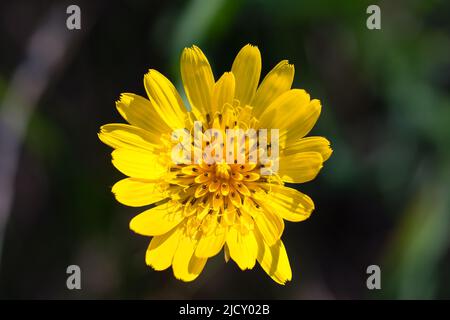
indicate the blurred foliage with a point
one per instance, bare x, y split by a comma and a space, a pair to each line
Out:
382, 198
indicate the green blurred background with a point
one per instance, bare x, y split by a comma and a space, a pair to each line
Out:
382, 198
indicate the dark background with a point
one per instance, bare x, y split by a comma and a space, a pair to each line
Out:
382, 198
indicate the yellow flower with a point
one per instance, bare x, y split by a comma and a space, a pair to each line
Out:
203, 206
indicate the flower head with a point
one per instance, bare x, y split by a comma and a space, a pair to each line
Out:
216, 172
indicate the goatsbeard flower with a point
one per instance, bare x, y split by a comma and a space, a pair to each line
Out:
202, 206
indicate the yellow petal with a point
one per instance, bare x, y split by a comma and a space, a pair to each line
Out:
210, 244
157, 220
162, 248
198, 80
269, 224
286, 112
137, 164
247, 70
137, 192
223, 92
288, 203
300, 167
118, 135
235, 198
315, 144
186, 266
242, 248
226, 253
217, 200
276, 82
225, 189
307, 118
140, 112
274, 261
165, 99
196, 266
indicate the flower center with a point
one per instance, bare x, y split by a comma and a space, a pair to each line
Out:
225, 183
223, 170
